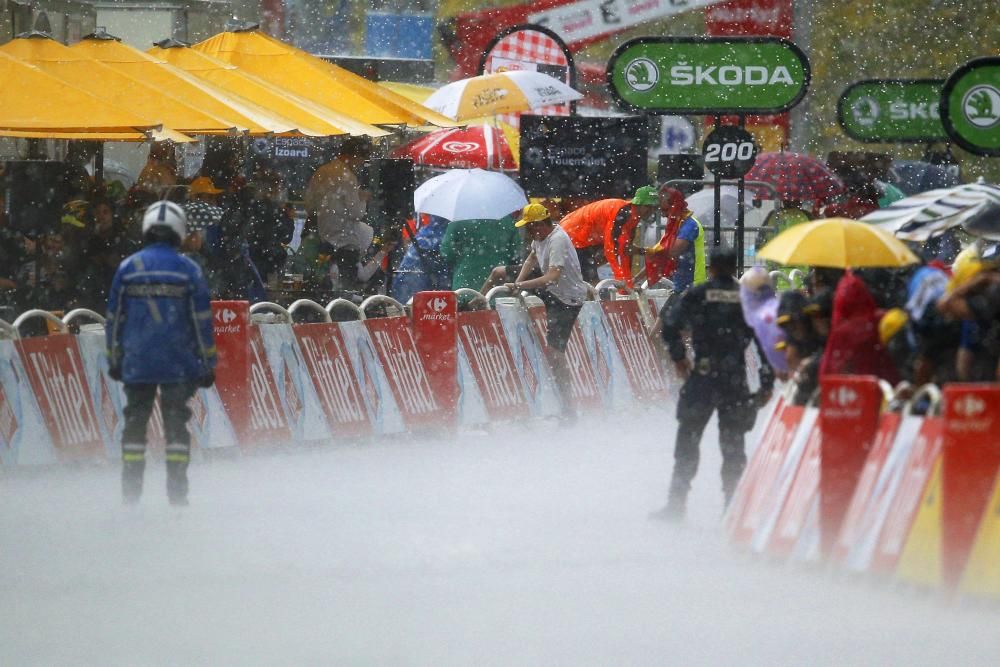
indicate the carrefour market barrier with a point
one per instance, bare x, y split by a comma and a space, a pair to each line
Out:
900, 495
909, 497
281, 382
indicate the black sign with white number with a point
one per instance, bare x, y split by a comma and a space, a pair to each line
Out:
729, 151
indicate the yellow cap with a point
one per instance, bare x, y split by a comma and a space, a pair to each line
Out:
532, 213
891, 323
203, 185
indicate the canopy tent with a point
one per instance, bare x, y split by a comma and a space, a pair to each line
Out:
307, 115
236, 111
317, 80
113, 86
149, 135
77, 110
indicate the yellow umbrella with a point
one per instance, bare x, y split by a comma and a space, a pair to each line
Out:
113, 86
234, 110
34, 102
310, 118
317, 80
837, 243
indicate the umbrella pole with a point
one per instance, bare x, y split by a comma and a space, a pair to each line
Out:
717, 226
740, 197
496, 148
99, 165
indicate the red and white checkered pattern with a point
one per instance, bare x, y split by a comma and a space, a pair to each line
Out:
532, 48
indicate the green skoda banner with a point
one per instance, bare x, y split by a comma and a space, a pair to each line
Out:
892, 110
708, 75
970, 106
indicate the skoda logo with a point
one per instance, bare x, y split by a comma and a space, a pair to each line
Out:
981, 106
866, 111
642, 74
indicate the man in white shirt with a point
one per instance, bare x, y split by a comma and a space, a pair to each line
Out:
559, 283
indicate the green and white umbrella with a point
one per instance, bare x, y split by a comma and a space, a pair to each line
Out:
922, 216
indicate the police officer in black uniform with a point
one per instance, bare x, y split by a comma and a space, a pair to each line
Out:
716, 381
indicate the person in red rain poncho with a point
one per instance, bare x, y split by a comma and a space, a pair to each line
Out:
853, 347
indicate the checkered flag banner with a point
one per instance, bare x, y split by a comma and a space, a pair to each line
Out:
530, 48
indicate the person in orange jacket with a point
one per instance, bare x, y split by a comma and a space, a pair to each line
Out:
607, 226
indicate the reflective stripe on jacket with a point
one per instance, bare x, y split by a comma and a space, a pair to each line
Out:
159, 327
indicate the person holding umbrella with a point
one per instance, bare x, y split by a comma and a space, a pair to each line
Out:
560, 285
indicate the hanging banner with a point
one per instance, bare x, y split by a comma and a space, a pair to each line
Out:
970, 106
892, 110
533, 48
405, 374
708, 75
583, 381
641, 364
586, 20
590, 157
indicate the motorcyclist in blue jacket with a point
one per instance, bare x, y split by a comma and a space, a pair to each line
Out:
159, 336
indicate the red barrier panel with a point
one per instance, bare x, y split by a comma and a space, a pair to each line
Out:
903, 509
800, 503
583, 381
59, 382
746, 510
485, 345
418, 402
435, 330
971, 460
641, 364
231, 329
864, 493
848, 419
329, 367
264, 420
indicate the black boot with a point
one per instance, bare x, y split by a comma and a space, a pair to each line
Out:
132, 473
177, 483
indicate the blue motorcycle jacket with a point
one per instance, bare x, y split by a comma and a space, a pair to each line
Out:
159, 327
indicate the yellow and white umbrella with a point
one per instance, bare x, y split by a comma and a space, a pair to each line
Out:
504, 92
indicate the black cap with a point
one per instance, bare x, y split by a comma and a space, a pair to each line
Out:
791, 307
723, 259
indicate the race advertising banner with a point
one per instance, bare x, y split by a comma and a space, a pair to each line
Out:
970, 106
58, 380
482, 338
641, 364
708, 75
588, 19
328, 365
532, 48
404, 370
590, 157
892, 110
583, 381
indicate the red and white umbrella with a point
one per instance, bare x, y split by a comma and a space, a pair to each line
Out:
478, 146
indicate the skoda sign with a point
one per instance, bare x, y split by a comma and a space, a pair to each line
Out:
970, 106
892, 110
708, 75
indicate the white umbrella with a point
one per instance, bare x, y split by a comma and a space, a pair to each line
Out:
469, 194
504, 92
921, 216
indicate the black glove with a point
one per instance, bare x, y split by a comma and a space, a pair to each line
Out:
115, 373
207, 380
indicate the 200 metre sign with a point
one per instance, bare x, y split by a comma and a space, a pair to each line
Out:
708, 75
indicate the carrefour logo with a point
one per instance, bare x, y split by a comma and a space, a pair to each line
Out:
843, 396
969, 406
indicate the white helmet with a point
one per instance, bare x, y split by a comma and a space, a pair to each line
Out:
165, 214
